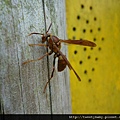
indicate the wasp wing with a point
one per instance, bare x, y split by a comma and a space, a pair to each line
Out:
67, 62
79, 42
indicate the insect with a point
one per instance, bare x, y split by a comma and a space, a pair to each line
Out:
54, 44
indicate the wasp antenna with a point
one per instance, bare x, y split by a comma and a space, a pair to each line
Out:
49, 27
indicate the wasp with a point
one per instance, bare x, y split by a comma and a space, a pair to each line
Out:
54, 44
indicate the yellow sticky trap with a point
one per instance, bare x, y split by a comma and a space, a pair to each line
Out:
99, 67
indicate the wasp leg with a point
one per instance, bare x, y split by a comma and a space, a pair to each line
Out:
35, 33
31, 45
51, 74
28, 61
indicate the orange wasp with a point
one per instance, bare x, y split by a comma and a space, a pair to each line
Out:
54, 44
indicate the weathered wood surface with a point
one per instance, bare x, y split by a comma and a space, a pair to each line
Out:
22, 86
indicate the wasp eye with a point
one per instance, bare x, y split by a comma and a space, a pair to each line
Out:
43, 39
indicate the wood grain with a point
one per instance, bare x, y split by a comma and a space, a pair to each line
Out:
22, 85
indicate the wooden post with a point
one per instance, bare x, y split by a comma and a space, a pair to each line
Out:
22, 85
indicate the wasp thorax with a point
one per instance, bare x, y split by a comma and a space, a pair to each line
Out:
55, 39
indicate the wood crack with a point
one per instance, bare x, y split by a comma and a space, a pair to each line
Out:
47, 59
